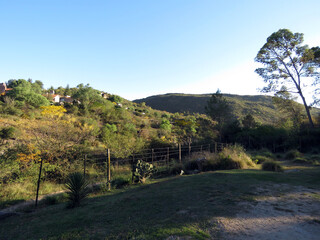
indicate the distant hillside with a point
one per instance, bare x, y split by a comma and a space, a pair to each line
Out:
259, 106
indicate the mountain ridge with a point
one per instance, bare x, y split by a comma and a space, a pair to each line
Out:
260, 106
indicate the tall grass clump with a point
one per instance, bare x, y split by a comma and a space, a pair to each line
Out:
234, 157
261, 159
272, 166
120, 181
204, 161
292, 154
262, 155
78, 189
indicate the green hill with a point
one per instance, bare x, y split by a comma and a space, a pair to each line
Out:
260, 106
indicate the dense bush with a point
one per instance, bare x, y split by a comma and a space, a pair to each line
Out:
192, 165
120, 182
301, 160
272, 166
292, 154
176, 168
7, 132
54, 199
234, 157
261, 159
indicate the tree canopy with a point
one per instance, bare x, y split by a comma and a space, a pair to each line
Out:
288, 63
218, 108
27, 92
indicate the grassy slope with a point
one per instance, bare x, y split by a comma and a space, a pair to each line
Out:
259, 106
174, 206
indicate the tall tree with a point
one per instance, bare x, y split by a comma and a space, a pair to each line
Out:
219, 110
23, 91
316, 53
249, 122
288, 63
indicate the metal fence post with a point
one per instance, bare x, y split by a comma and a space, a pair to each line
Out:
109, 171
133, 170
152, 155
84, 165
38, 185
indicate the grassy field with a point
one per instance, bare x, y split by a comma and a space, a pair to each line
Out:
177, 206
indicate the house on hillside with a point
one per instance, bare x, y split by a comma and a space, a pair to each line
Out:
105, 95
4, 89
66, 99
55, 98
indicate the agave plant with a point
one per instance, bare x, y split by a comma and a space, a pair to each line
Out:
77, 187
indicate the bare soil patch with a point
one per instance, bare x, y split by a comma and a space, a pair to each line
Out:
278, 211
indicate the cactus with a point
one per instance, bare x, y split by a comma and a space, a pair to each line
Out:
143, 170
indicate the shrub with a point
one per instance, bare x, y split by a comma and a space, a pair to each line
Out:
272, 166
199, 161
234, 157
54, 199
261, 159
176, 169
7, 132
77, 187
143, 170
192, 165
315, 151
210, 165
292, 154
266, 152
300, 160
229, 163
50, 200
120, 182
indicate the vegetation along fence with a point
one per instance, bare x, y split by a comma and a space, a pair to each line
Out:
104, 169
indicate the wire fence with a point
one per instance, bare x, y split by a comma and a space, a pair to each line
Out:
103, 168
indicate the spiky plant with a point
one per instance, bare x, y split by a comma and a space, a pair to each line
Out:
143, 171
77, 187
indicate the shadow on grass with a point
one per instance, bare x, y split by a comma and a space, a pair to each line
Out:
8, 203
174, 206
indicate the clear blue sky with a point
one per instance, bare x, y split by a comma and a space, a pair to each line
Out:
137, 48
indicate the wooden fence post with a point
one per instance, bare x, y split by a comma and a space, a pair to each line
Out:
38, 185
168, 155
180, 152
133, 170
109, 171
189, 150
152, 155
84, 165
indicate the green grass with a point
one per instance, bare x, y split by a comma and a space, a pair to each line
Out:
23, 190
180, 206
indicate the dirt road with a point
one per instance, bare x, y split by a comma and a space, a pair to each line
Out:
279, 211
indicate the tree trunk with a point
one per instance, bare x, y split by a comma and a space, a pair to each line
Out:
307, 110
